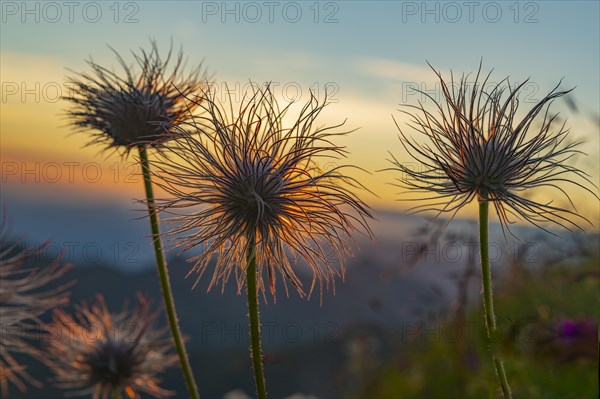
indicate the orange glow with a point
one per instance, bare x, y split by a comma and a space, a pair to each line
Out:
35, 171
130, 392
36, 141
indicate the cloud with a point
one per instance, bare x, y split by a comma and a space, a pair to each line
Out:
388, 69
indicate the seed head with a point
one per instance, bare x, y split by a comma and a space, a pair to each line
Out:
125, 110
250, 178
478, 146
99, 353
24, 297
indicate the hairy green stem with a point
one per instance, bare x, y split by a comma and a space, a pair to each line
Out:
253, 315
491, 327
165, 283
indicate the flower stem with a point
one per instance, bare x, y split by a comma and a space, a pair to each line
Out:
491, 327
253, 315
117, 394
165, 284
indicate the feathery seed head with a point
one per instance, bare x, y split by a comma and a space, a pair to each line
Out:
477, 145
99, 353
256, 186
125, 111
24, 296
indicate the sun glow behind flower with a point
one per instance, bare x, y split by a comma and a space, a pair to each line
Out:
249, 174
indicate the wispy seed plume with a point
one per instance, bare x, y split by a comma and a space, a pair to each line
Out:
245, 175
121, 110
100, 353
27, 291
475, 144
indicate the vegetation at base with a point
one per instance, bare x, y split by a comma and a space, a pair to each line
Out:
549, 322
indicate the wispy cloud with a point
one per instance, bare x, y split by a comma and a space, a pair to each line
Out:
384, 68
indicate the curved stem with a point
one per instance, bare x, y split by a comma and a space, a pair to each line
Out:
165, 283
491, 327
253, 315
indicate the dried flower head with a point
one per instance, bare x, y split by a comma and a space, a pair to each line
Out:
253, 180
24, 296
123, 111
478, 146
103, 354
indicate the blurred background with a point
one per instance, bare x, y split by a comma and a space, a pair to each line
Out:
406, 322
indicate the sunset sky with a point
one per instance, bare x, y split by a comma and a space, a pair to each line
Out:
368, 53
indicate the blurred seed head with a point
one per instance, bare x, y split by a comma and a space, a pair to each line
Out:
125, 110
99, 353
249, 177
24, 296
477, 145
